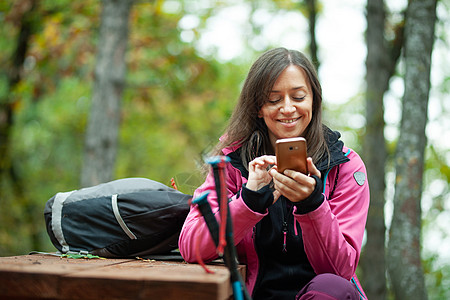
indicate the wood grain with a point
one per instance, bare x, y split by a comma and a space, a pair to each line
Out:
50, 277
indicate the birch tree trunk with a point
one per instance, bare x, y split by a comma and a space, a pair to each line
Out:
381, 62
101, 139
404, 259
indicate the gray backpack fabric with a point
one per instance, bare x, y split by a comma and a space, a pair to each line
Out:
123, 218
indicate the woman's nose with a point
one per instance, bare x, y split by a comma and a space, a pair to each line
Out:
287, 106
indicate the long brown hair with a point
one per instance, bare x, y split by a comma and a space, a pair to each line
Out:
249, 131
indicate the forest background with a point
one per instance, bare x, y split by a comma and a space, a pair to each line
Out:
185, 63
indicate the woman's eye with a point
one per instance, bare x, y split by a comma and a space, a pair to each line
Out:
275, 100
297, 98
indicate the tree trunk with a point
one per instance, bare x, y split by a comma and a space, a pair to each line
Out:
374, 152
102, 132
381, 62
29, 18
312, 17
14, 76
404, 259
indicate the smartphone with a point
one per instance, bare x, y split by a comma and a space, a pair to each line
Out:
291, 154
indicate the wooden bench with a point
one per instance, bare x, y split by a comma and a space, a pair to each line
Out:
41, 276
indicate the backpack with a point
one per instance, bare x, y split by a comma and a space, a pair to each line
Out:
123, 218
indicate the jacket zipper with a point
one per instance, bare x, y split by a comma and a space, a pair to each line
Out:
285, 222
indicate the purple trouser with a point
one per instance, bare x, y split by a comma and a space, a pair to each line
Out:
328, 287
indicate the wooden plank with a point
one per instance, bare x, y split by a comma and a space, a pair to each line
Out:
37, 276
148, 280
50, 277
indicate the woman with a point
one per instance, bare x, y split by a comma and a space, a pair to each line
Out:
298, 234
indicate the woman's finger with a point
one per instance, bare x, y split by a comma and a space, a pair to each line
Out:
276, 196
312, 168
293, 185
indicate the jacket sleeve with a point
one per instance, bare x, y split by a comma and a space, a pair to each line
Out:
333, 233
195, 236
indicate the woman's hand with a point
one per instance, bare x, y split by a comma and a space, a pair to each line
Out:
258, 173
294, 185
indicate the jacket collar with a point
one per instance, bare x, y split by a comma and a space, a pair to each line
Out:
335, 146
236, 161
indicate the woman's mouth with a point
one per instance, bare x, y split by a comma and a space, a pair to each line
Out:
288, 121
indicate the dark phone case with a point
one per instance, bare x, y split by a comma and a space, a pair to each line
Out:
291, 154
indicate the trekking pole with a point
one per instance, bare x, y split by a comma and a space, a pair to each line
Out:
213, 226
226, 238
208, 216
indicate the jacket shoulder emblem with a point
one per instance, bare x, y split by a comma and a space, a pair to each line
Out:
360, 178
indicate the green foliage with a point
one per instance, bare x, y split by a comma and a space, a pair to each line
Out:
176, 103
437, 278
82, 256
347, 118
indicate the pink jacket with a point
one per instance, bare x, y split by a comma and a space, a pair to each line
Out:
332, 234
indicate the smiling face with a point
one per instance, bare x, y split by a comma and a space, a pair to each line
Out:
288, 111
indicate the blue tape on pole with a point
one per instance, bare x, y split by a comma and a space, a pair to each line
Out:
201, 198
237, 291
214, 160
